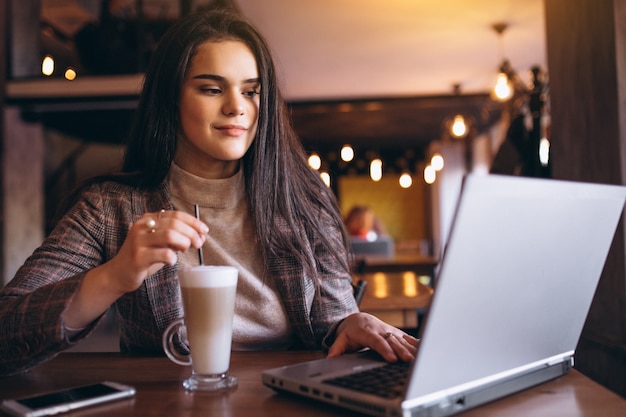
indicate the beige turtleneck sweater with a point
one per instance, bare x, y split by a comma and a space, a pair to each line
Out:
260, 321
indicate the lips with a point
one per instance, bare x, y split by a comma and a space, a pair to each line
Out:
232, 130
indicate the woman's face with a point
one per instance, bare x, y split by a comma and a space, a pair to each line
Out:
219, 109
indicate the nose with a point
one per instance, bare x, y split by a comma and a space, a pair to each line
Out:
233, 104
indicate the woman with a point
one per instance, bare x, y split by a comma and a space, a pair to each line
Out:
211, 128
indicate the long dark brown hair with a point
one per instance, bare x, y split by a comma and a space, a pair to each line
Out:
281, 188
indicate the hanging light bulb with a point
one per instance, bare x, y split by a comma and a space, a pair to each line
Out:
347, 153
502, 89
70, 74
405, 180
326, 178
315, 161
430, 175
47, 65
376, 169
436, 161
459, 127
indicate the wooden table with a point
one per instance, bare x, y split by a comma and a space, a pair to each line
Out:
395, 297
159, 390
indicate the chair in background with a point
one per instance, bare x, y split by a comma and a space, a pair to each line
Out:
382, 245
358, 289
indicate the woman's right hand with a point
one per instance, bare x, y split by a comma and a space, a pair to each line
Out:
153, 242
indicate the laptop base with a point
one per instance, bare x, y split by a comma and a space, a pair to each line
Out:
453, 404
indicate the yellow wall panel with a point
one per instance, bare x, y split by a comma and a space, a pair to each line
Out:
401, 210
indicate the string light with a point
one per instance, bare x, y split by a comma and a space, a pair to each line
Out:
47, 65
70, 74
371, 161
347, 153
430, 175
502, 90
325, 177
436, 161
376, 169
405, 180
459, 127
315, 161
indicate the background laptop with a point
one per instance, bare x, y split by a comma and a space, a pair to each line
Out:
513, 290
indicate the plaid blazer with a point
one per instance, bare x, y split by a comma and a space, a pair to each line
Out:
91, 233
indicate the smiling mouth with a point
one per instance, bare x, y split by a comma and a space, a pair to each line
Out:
232, 130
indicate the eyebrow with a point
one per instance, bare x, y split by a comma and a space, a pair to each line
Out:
222, 79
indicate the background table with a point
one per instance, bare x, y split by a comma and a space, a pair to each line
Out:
159, 390
419, 264
395, 297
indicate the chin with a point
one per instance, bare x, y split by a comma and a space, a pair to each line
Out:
234, 154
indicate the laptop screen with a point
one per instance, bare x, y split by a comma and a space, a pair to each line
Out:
517, 277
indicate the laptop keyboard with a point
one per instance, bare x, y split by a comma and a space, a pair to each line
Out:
387, 381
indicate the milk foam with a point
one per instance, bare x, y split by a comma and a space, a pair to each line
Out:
208, 276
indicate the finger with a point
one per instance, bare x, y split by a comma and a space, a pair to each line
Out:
162, 257
169, 232
195, 232
144, 258
198, 225
411, 340
381, 344
408, 342
173, 217
152, 241
174, 239
401, 347
339, 347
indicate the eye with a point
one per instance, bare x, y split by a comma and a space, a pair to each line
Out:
210, 90
251, 93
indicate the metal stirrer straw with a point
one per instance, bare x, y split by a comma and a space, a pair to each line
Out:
200, 255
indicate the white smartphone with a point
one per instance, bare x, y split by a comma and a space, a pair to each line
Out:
70, 399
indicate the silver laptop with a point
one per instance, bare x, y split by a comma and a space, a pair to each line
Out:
513, 290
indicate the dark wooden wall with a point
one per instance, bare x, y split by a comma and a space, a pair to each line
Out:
4, 24
587, 64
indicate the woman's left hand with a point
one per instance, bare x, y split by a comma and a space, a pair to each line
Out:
361, 330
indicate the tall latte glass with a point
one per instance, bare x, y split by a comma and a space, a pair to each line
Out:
208, 294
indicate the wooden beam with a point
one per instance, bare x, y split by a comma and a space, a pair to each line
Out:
389, 122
